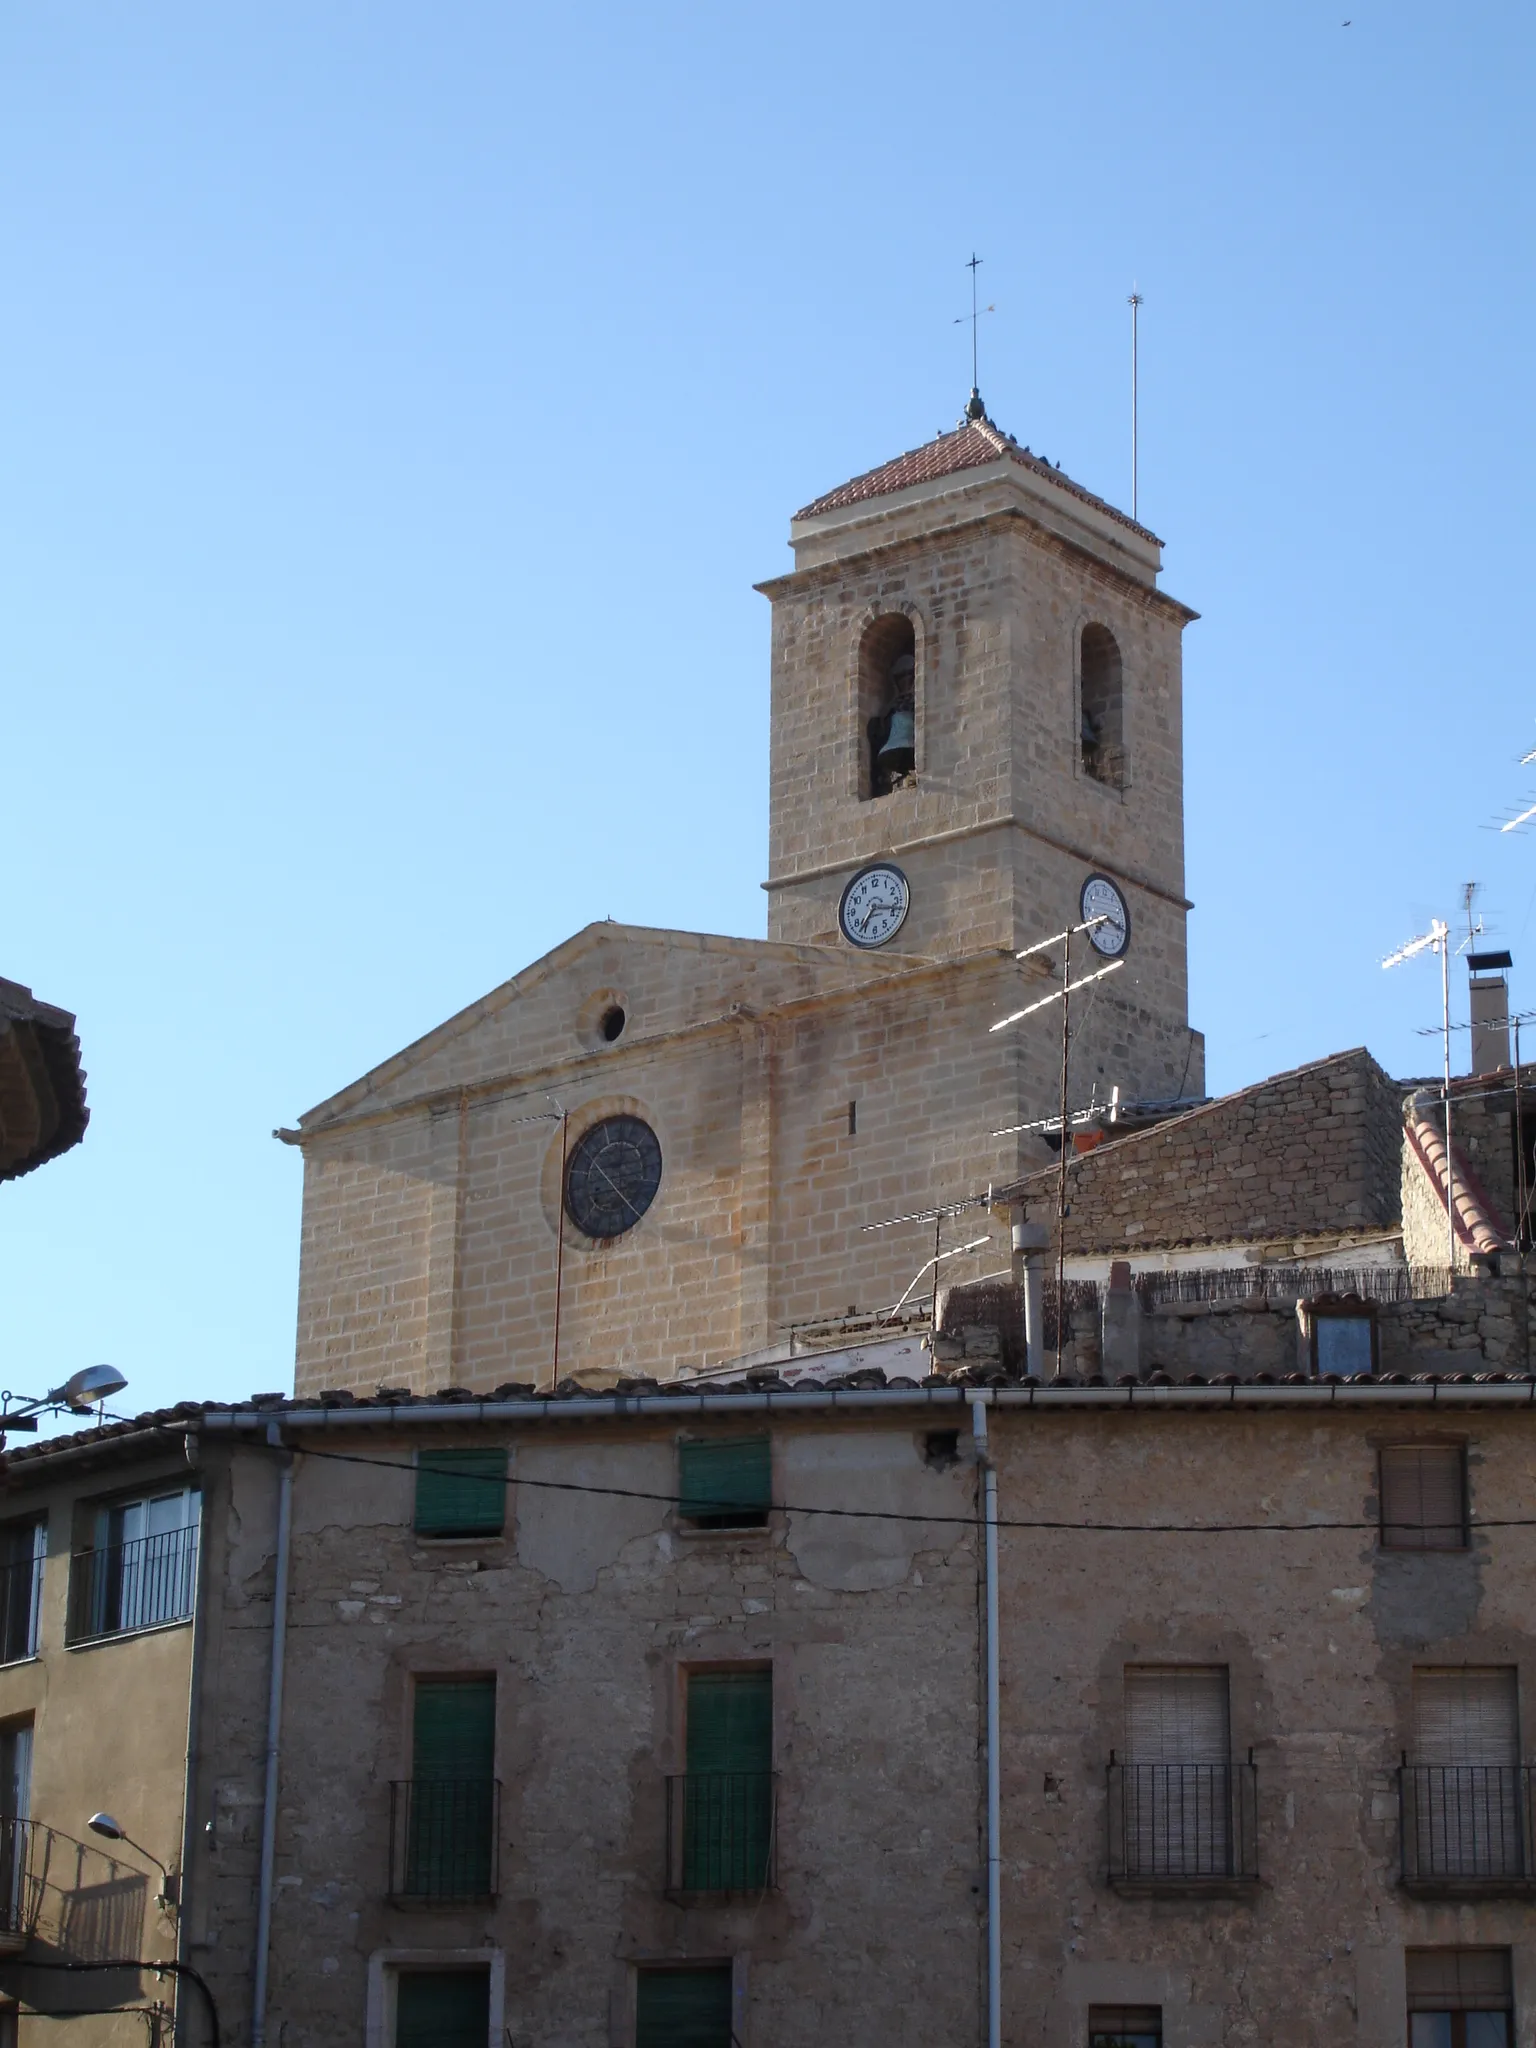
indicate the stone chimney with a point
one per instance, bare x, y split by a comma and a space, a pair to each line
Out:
1490, 1011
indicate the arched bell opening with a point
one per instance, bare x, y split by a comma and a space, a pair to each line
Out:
888, 706
1101, 737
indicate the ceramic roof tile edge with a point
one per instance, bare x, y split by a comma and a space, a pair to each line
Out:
1479, 1226
1115, 1147
1425, 1389
990, 444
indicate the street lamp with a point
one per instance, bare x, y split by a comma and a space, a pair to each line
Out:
78, 1395
103, 1824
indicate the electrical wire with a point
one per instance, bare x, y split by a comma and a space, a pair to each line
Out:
885, 1515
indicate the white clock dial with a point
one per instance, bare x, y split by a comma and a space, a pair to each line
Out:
874, 905
1102, 899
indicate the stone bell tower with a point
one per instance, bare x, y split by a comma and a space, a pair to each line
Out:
977, 679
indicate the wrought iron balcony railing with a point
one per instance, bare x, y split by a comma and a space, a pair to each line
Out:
1183, 1824
141, 1584
444, 1839
1467, 1825
721, 1831
23, 1858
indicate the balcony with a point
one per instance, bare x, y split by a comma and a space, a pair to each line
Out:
444, 1840
1183, 1828
721, 1833
24, 1846
1466, 1829
124, 1586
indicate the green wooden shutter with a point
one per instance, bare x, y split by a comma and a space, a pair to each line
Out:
461, 1493
728, 1792
443, 2009
452, 1794
725, 1483
684, 2008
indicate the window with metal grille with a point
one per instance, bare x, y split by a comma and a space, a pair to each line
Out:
1423, 1497
1125, 2026
442, 2009
721, 1813
1459, 1998
23, 1547
444, 1817
141, 1568
461, 1493
1464, 1795
725, 1482
1178, 1789
684, 2008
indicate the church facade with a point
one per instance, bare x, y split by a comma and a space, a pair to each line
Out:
652, 1151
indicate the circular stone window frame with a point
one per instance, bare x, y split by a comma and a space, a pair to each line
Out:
552, 1174
590, 1018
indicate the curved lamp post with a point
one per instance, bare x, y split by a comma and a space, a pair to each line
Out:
103, 1824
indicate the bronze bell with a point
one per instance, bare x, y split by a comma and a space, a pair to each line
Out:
899, 752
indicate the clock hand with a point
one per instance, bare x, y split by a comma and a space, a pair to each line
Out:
629, 1205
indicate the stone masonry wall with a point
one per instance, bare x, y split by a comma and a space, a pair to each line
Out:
1304, 1154
595, 1606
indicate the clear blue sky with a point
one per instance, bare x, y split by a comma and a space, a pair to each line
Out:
400, 402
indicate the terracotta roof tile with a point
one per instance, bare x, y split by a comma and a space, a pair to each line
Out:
971, 445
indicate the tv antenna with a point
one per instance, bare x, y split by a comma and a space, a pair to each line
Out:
1063, 995
974, 410
1438, 939
1135, 303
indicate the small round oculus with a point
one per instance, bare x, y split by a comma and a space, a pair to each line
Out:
612, 1176
874, 905
1101, 899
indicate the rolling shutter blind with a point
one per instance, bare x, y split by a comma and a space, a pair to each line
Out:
1458, 1980
1467, 1716
1179, 1807
683, 2008
725, 1482
443, 2009
1176, 1716
454, 1729
730, 1721
1423, 1497
461, 1493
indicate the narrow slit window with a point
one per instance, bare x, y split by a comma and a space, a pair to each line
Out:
1423, 1497
461, 1493
725, 1483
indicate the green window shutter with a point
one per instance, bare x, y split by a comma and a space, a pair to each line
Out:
725, 1483
454, 1731
461, 1493
728, 1791
684, 2008
452, 1810
443, 2009
730, 1721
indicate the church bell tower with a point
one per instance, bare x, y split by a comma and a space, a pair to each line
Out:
977, 683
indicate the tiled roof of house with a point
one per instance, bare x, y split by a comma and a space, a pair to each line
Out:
971, 445
42, 1084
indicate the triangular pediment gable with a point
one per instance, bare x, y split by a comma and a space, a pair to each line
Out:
668, 983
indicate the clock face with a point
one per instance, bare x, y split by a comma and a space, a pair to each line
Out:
874, 905
612, 1176
1102, 899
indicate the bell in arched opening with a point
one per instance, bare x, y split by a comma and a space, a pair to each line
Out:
896, 746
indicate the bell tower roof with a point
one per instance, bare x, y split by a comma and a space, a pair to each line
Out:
974, 443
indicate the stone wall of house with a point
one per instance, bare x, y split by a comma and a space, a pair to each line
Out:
596, 1605
1303, 1155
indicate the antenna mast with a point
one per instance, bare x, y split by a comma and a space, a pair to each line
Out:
1134, 302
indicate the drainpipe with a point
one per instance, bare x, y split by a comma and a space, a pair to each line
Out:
994, 1761
274, 1732
192, 1770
